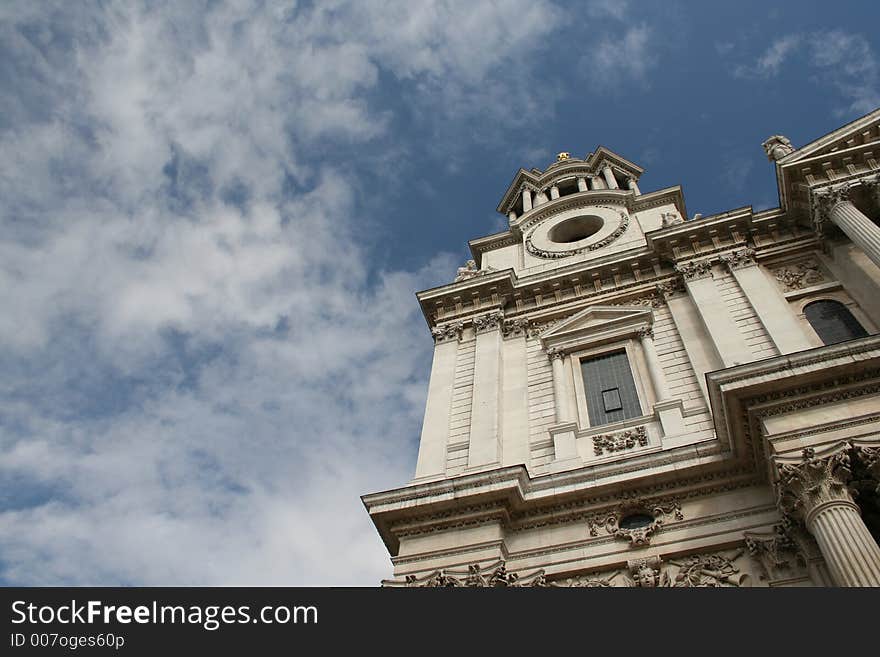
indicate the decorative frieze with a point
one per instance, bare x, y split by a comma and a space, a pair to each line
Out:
493, 576
446, 332
739, 258
623, 440
694, 270
797, 276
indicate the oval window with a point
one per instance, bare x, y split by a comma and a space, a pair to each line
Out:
575, 229
636, 521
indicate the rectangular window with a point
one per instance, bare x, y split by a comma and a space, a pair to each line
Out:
610, 389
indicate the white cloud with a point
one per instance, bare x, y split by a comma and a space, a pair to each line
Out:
843, 62
621, 57
201, 370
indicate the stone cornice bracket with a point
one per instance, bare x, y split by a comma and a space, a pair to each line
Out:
694, 270
739, 258
805, 488
487, 322
511, 328
447, 332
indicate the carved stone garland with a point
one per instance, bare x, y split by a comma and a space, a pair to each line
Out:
618, 442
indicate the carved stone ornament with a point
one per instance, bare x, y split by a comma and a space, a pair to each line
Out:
638, 535
694, 270
775, 553
446, 332
488, 322
714, 570
618, 442
777, 147
825, 199
873, 186
493, 576
511, 328
645, 332
470, 270
739, 258
708, 570
543, 253
670, 287
799, 275
555, 353
814, 481
670, 219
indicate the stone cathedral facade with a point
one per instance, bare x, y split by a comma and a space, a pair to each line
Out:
622, 395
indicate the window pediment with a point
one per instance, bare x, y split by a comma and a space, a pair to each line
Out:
597, 324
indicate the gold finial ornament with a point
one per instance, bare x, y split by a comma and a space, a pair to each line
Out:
563, 156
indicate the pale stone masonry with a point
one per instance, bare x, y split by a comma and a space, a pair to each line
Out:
621, 396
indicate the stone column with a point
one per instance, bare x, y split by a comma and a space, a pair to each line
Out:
554, 192
485, 439
633, 185
596, 183
560, 394
435, 428
565, 454
582, 185
767, 300
527, 199
540, 198
815, 491
722, 328
609, 177
512, 215
834, 204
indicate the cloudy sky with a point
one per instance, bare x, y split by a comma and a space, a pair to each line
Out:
215, 216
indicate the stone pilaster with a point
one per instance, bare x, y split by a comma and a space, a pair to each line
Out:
485, 439
816, 492
722, 328
435, 427
768, 302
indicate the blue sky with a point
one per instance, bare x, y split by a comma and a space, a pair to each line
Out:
215, 216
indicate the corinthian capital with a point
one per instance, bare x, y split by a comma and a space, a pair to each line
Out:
825, 199
489, 322
446, 332
739, 258
694, 270
554, 353
804, 486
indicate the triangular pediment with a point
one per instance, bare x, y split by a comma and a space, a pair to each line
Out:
856, 133
597, 322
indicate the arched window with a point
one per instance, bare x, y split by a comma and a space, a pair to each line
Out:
833, 322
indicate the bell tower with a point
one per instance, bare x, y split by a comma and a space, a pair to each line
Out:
603, 376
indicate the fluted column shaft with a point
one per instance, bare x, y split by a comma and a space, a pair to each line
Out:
849, 549
834, 204
816, 491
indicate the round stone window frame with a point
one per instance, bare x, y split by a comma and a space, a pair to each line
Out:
614, 223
